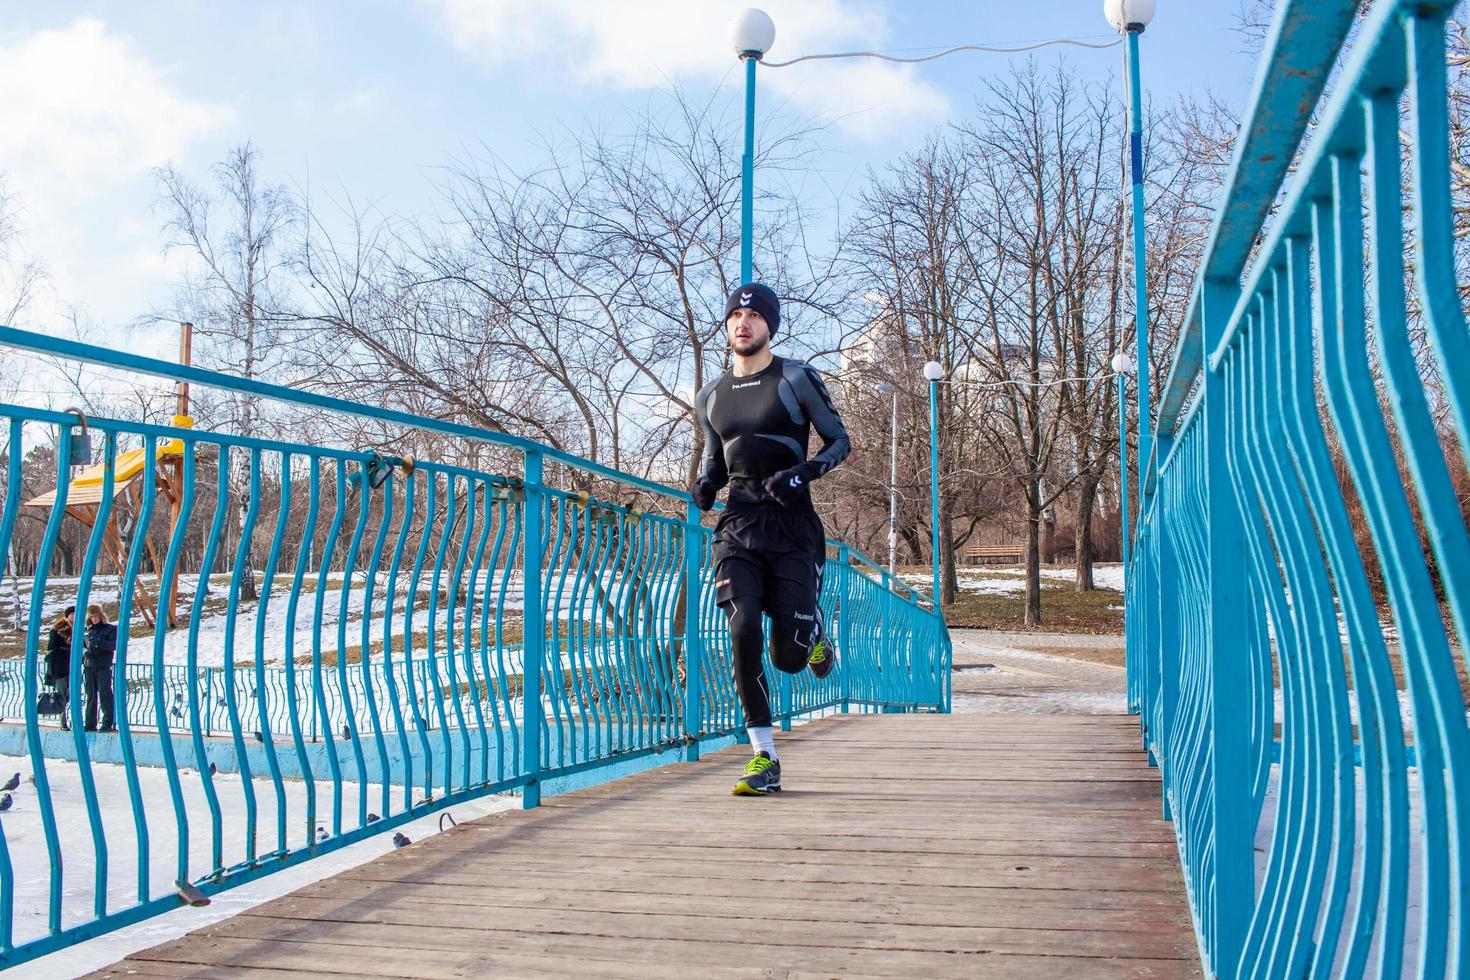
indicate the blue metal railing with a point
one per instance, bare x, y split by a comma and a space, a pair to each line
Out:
1279, 703
421, 640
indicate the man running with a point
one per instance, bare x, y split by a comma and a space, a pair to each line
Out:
770, 548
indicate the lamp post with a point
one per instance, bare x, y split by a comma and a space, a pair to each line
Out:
888, 389
1122, 365
1131, 17
933, 373
752, 32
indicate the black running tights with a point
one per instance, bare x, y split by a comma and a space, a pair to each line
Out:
791, 643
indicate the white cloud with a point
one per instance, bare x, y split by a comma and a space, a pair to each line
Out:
80, 105
641, 44
85, 115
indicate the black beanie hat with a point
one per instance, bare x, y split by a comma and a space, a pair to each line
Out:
759, 297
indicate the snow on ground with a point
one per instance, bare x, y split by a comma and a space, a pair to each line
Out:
1109, 576
209, 640
1006, 580
22, 827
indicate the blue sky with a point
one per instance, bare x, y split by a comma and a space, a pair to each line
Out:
368, 98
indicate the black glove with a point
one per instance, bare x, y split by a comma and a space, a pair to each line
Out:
787, 487
704, 493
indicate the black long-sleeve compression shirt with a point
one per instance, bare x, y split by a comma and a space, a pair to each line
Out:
758, 425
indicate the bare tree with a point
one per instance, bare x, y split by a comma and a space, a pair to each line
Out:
906, 248
578, 302
236, 237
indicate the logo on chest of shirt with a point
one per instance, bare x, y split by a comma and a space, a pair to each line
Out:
748, 384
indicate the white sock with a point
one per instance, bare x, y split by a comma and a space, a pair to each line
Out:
762, 740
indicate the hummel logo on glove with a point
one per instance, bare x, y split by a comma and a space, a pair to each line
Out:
786, 487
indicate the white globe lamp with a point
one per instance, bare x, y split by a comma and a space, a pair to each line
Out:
1128, 15
933, 371
752, 32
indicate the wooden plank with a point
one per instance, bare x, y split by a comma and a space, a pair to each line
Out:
258, 943
979, 846
999, 909
711, 888
412, 925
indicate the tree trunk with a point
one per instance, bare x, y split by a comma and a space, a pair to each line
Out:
1086, 502
1033, 556
946, 545
68, 558
1049, 536
248, 590
909, 535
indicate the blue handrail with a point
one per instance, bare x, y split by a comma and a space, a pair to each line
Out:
1282, 695
438, 636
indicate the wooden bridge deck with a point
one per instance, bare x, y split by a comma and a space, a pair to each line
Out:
960, 845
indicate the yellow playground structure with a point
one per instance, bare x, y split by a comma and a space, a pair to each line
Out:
84, 497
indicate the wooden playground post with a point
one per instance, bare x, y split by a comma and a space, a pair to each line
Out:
176, 499
186, 352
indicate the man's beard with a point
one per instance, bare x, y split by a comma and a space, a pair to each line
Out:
749, 347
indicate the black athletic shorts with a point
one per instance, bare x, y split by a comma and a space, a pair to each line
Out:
776, 554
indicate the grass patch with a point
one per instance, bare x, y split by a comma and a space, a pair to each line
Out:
1063, 610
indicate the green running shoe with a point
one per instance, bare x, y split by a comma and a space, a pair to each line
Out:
762, 777
823, 657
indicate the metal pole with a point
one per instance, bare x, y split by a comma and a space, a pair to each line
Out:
1123, 469
934, 480
747, 176
1140, 280
893, 490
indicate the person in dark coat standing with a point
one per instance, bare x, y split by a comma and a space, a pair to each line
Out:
58, 660
97, 653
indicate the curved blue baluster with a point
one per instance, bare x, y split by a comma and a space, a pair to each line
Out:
486, 493
1348, 382
293, 602
629, 548
126, 591
553, 582
1434, 232
185, 503
451, 629
390, 672
657, 634
349, 569
420, 702
232, 606
262, 699
196, 616
13, 450
100, 523
441, 553
494, 499
1439, 710
1281, 897
365, 659
1331, 834
494, 511
1246, 478
34, 629
502, 673
579, 627
323, 713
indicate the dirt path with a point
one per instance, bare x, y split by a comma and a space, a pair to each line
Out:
1037, 673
